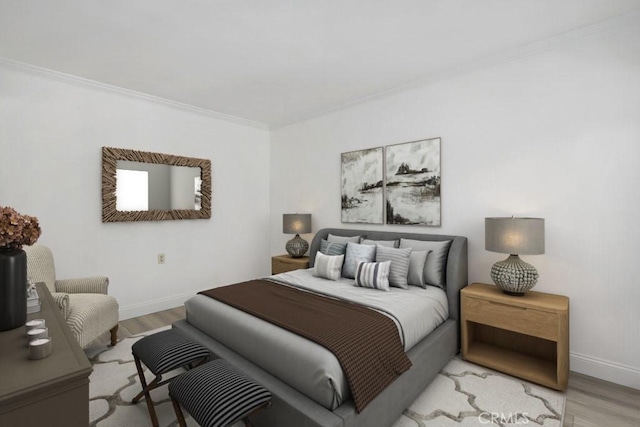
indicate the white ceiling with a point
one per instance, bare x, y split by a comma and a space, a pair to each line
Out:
278, 61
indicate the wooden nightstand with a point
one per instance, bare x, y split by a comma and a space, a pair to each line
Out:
284, 263
527, 337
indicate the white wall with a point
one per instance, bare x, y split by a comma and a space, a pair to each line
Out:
555, 135
51, 134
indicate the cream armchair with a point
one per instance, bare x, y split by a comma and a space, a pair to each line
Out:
84, 303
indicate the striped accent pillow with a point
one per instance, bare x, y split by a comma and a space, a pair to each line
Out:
374, 275
327, 266
330, 248
399, 270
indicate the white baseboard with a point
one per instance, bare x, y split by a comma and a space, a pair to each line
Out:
605, 370
147, 307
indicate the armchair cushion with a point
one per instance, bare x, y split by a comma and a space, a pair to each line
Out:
91, 315
87, 285
62, 300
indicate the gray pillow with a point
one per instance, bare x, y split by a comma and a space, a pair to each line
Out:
399, 269
328, 267
387, 243
416, 268
329, 248
436, 266
356, 253
342, 239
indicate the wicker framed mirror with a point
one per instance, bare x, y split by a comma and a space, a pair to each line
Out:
145, 186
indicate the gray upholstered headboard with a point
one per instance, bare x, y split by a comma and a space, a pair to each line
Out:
457, 264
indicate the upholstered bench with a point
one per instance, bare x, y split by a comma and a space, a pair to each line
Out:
217, 394
161, 353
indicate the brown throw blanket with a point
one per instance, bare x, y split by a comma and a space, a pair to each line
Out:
365, 342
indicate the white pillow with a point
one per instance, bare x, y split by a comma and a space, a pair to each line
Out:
328, 267
374, 275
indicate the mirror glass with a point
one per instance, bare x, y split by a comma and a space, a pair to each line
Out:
147, 186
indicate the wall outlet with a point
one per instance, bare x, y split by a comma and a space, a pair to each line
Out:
161, 259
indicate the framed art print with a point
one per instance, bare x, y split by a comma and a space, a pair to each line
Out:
362, 186
412, 190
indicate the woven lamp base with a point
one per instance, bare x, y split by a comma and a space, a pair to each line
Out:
297, 247
514, 276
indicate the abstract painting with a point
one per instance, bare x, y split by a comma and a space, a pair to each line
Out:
413, 183
362, 186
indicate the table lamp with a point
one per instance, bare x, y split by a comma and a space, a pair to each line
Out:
296, 224
514, 236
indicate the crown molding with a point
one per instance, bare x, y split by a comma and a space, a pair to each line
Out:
81, 81
515, 54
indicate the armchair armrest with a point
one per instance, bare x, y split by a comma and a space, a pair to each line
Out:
62, 301
87, 285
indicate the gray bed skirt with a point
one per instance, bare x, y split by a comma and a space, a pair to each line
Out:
291, 408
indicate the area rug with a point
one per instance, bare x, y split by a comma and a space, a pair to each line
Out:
462, 394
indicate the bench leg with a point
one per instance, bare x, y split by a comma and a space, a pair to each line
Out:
114, 335
145, 392
247, 422
179, 414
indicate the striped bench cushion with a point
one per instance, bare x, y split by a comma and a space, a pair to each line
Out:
168, 350
217, 394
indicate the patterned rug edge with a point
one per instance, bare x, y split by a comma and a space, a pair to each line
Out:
413, 416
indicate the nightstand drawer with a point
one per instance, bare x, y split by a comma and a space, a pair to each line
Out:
281, 266
512, 318
284, 263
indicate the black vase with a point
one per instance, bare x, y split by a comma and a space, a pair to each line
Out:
13, 288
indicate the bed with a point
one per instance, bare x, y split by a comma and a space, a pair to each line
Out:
307, 385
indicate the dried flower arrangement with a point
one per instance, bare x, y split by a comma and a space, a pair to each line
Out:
16, 229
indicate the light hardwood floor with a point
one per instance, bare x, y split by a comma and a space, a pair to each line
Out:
138, 325
590, 402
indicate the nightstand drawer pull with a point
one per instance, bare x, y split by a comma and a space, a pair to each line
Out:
507, 305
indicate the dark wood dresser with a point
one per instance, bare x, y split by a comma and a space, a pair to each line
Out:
51, 392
